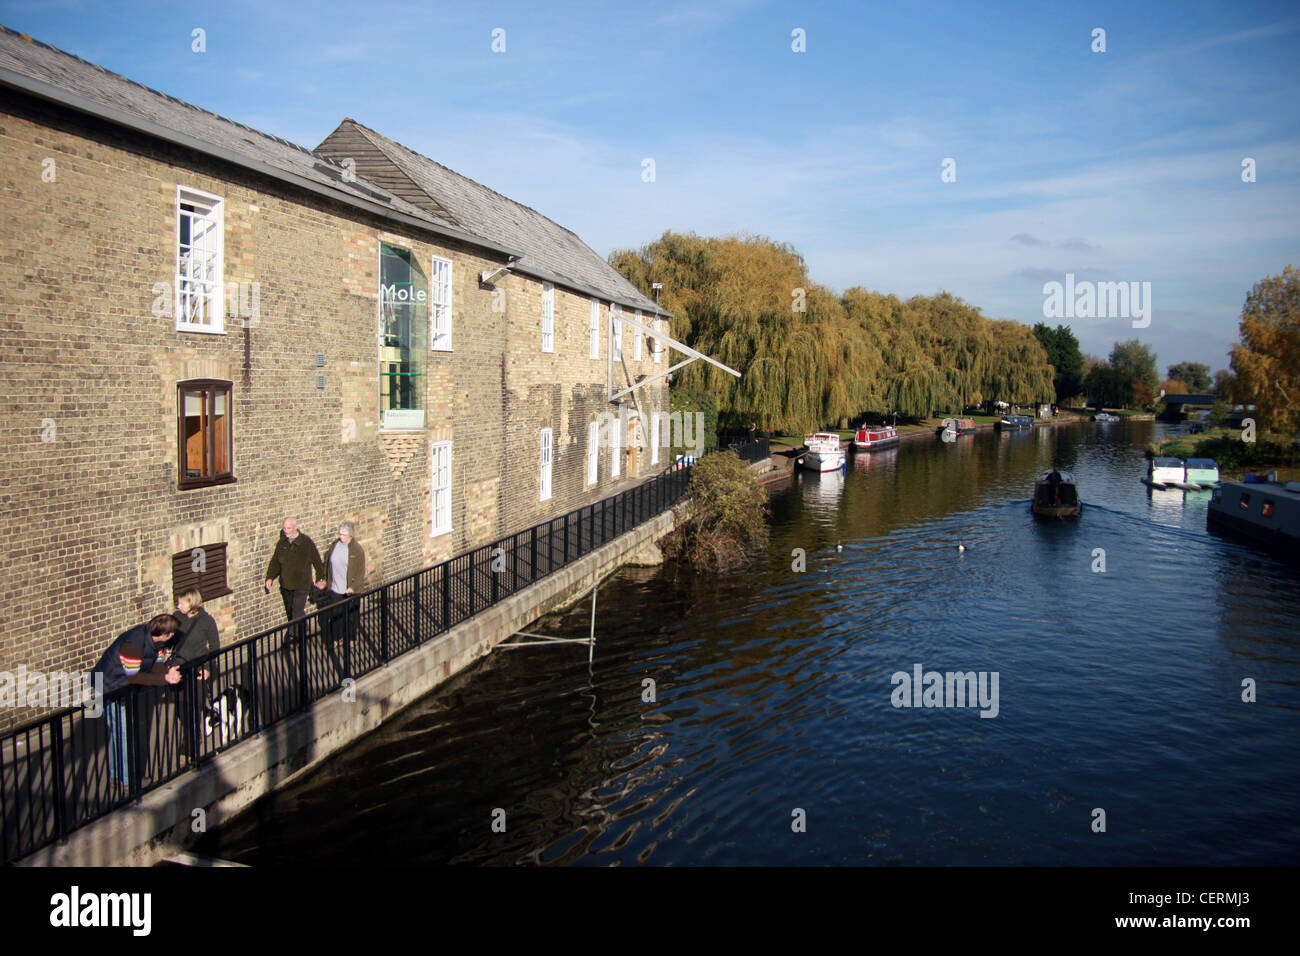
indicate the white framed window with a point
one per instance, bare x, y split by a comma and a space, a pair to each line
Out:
440, 484
199, 262
616, 329
615, 449
593, 331
440, 305
593, 452
636, 339
548, 317
654, 437
546, 464
658, 349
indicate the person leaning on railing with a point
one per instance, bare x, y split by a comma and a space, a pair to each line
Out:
136, 657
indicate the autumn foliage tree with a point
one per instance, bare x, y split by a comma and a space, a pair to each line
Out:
1266, 362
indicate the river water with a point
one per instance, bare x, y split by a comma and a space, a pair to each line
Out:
772, 736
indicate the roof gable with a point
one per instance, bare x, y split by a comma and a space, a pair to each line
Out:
550, 251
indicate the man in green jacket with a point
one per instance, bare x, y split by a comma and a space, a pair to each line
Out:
293, 561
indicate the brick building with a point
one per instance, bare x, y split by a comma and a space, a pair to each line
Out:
205, 328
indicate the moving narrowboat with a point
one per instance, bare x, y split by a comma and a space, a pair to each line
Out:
1056, 496
824, 453
1266, 512
870, 438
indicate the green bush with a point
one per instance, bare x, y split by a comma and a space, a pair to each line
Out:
723, 517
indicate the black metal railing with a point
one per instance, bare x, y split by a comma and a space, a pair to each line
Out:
65, 770
752, 447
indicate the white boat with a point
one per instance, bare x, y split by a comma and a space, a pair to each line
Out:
1203, 473
1167, 473
824, 453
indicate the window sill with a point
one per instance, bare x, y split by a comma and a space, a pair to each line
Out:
439, 532
193, 483
201, 329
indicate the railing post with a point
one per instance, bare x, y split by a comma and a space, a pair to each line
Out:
566, 538
533, 564
133, 743
419, 618
341, 616
190, 712
60, 784
496, 593
473, 585
446, 596
255, 718
304, 694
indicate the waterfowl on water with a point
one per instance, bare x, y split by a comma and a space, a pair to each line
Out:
960, 547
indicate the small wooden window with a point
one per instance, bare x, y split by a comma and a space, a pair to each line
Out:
205, 450
1266, 509
201, 569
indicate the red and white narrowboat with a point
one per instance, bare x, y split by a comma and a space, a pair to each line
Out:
871, 438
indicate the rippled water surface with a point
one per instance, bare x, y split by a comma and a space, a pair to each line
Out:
1118, 690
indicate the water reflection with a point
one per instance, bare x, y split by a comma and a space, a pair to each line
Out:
1119, 687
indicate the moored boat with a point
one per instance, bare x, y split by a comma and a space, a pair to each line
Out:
1164, 472
1056, 496
1266, 512
870, 438
824, 453
952, 427
1013, 422
1202, 473
1105, 417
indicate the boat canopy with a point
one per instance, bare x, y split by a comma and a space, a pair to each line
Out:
1167, 462
1202, 463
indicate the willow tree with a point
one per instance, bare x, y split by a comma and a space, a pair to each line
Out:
749, 303
809, 358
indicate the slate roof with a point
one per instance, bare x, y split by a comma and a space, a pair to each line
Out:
49, 73
550, 251
421, 192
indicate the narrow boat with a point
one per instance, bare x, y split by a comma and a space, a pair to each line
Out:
965, 426
1202, 473
824, 453
1056, 496
1165, 473
1265, 512
871, 438
1013, 422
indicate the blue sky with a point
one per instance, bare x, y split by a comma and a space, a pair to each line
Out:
1115, 166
